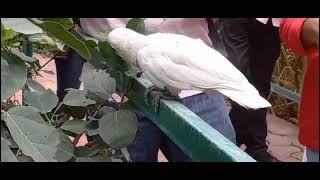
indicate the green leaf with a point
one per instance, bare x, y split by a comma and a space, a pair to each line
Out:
35, 65
115, 62
84, 151
44, 100
93, 132
79, 33
99, 144
98, 85
133, 71
105, 110
5, 140
90, 43
128, 106
88, 40
67, 23
98, 61
21, 25
41, 39
95, 158
6, 153
3, 115
106, 50
35, 86
3, 130
7, 34
75, 125
92, 127
58, 31
13, 75
119, 128
5, 136
39, 140
29, 113
74, 111
137, 24
46, 41
3, 32
103, 36
77, 97
4, 67
22, 56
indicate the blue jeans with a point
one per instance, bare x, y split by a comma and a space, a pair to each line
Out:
312, 155
149, 138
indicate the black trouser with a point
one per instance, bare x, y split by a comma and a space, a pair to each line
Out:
69, 70
252, 47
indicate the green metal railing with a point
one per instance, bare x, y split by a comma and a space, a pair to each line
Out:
193, 135
285, 92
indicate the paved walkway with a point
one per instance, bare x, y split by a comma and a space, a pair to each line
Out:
282, 135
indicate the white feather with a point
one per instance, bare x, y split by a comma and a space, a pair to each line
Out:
181, 63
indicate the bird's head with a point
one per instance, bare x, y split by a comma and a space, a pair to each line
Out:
127, 43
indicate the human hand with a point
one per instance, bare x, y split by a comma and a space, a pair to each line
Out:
310, 33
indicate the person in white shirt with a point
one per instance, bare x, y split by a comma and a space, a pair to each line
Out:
253, 46
211, 108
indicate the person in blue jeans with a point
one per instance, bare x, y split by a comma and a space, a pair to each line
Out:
149, 138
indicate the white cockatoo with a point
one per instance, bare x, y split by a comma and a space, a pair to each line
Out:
177, 62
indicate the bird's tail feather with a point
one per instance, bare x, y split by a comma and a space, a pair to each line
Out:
247, 99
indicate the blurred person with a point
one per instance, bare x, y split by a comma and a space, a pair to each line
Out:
302, 36
253, 46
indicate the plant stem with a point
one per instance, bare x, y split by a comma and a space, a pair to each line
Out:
47, 63
45, 114
97, 110
126, 89
54, 113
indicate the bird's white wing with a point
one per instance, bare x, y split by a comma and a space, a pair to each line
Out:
187, 64
191, 65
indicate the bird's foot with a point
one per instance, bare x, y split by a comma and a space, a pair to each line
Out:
139, 73
158, 94
150, 89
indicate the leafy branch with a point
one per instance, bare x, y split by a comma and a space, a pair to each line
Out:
30, 132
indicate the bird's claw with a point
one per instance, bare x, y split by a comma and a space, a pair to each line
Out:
149, 91
157, 95
139, 73
165, 96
